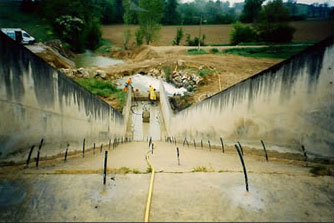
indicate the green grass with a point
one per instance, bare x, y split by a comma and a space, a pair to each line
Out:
104, 46
103, 88
205, 72
196, 52
149, 170
267, 52
202, 169
12, 17
320, 171
214, 50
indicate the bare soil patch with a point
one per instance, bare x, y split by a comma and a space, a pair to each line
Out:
219, 34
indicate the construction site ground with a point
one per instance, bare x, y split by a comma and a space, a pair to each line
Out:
205, 185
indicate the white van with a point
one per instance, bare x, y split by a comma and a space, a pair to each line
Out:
19, 35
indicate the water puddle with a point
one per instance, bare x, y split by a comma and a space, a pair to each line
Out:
89, 59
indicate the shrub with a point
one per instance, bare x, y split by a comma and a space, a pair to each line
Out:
272, 24
139, 37
280, 33
194, 42
93, 34
69, 29
214, 50
168, 73
179, 36
242, 33
196, 52
126, 38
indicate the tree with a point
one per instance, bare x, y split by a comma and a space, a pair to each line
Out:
242, 33
179, 36
64, 13
128, 19
272, 24
150, 18
251, 10
171, 16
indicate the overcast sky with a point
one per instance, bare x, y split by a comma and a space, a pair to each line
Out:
330, 2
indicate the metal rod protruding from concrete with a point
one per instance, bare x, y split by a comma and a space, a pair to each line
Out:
222, 142
242, 151
209, 144
109, 144
83, 148
201, 143
243, 165
150, 142
265, 150
105, 167
38, 152
152, 147
178, 155
304, 151
94, 148
101, 148
65, 158
194, 144
29, 156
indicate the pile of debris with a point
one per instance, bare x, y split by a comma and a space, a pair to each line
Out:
190, 81
85, 73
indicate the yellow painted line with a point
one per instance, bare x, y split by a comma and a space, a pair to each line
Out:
150, 191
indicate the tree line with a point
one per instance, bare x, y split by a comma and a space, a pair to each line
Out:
77, 22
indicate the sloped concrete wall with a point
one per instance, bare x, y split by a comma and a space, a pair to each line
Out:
288, 105
37, 101
166, 110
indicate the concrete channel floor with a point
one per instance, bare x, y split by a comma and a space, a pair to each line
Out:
279, 190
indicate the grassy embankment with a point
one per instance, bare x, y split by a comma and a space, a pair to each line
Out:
275, 51
103, 88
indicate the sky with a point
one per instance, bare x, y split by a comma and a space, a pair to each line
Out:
330, 2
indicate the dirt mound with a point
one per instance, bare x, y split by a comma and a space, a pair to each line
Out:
56, 44
144, 53
51, 56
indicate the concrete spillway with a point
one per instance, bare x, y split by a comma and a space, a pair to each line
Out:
141, 131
